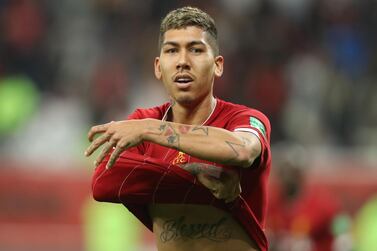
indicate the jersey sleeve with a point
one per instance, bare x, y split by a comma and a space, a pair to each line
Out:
255, 122
137, 114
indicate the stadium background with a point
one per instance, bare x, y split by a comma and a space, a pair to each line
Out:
310, 65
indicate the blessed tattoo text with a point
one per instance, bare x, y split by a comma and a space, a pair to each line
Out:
178, 229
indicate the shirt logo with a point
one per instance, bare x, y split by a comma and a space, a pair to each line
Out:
180, 159
256, 123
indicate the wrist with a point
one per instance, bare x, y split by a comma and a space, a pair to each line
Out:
148, 129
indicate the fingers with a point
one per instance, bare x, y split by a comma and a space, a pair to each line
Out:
104, 152
120, 147
223, 190
233, 195
212, 184
97, 143
97, 129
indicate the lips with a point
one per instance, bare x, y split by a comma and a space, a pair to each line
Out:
183, 78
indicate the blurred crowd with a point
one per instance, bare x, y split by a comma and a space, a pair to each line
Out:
309, 65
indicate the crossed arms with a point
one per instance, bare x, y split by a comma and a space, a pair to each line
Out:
204, 142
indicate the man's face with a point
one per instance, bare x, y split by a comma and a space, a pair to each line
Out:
187, 65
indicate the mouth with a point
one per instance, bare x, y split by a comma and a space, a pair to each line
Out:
183, 80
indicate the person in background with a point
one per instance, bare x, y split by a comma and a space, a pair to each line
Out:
300, 217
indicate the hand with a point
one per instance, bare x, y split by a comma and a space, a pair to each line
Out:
223, 183
228, 187
119, 135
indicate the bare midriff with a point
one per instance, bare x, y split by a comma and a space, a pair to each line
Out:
197, 228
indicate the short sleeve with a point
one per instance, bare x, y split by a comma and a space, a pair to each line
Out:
253, 121
250, 120
137, 114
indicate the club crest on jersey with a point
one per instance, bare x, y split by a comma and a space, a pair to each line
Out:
256, 123
180, 159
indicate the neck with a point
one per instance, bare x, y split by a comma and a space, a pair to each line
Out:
193, 114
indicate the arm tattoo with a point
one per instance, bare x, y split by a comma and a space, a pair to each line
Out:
202, 128
184, 129
245, 141
178, 229
162, 128
172, 136
233, 147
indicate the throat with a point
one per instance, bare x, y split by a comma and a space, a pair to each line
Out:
197, 115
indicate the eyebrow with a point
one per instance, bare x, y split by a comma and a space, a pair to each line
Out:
192, 43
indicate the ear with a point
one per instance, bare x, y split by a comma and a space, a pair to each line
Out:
157, 68
219, 66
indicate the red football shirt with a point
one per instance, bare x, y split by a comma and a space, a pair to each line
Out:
158, 179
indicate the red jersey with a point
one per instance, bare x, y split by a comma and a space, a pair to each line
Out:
157, 169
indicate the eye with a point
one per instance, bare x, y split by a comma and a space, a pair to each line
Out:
196, 50
170, 50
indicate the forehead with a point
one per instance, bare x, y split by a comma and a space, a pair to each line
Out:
185, 35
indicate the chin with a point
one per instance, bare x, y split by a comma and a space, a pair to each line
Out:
185, 99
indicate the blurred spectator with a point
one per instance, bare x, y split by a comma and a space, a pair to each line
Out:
308, 64
266, 89
300, 217
303, 120
108, 89
24, 26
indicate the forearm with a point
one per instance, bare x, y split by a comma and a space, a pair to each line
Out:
202, 168
224, 183
204, 142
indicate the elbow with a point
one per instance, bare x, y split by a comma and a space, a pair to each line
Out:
245, 162
246, 157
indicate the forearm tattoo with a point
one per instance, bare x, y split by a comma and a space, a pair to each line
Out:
204, 129
172, 137
178, 229
234, 146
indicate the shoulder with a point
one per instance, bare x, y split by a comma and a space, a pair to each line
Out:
156, 112
240, 116
235, 110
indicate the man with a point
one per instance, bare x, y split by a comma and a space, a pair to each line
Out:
298, 216
224, 146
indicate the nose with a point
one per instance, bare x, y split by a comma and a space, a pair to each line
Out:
183, 61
